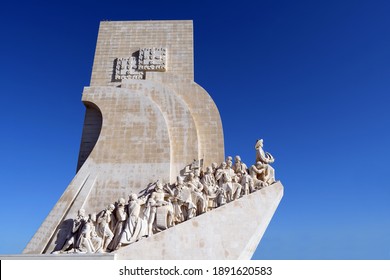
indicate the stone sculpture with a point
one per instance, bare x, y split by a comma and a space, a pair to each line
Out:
197, 194
176, 192
224, 176
73, 238
97, 241
167, 206
219, 173
90, 241
121, 217
157, 209
103, 225
212, 190
184, 205
239, 167
136, 225
243, 177
266, 159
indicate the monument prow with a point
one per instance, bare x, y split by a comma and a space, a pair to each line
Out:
232, 231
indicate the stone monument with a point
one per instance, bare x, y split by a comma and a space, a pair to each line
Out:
152, 180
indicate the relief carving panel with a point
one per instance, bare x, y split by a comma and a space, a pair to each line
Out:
135, 66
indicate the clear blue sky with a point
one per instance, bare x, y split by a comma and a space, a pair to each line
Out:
312, 78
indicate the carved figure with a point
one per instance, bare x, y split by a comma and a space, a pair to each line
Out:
196, 188
212, 190
265, 158
155, 202
244, 179
185, 199
121, 216
73, 238
136, 225
90, 242
176, 198
103, 228
239, 167
225, 177
246, 183
229, 160
237, 188
257, 174
97, 241
219, 173
214, 167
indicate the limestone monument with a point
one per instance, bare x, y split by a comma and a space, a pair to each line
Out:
152, 179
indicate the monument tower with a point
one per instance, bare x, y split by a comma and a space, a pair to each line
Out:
147, 120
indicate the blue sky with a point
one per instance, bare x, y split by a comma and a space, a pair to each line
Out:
312, 78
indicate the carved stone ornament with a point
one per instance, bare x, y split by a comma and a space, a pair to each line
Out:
152, 59
126, 68
146, 59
